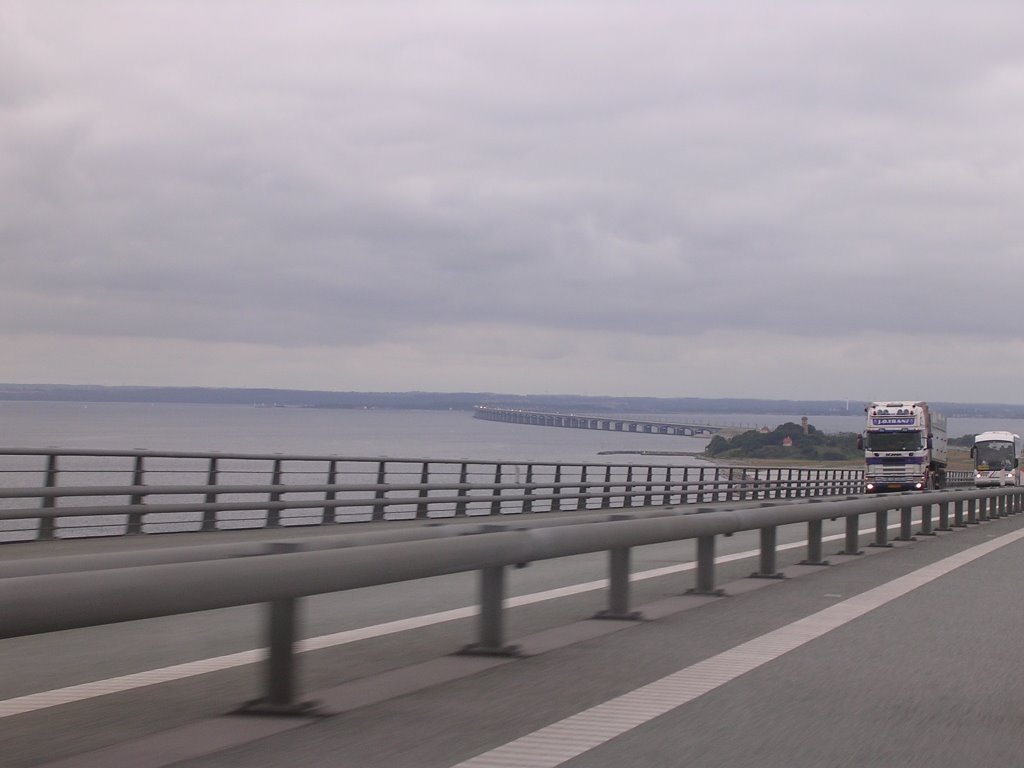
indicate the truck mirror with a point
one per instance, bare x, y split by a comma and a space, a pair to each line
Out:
860, 442
929, 442
972, 451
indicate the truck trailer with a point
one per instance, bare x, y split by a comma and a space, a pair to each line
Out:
905, 447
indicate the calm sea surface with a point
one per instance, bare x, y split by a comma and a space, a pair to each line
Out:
405, 434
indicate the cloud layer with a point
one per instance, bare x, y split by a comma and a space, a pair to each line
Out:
729, 199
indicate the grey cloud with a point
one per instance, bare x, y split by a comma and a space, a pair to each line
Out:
342, 174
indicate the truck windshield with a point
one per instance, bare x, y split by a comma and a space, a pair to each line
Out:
894, 441
993, 454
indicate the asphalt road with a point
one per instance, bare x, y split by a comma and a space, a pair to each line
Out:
928, 678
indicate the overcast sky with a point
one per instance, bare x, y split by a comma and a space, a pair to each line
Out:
715, 199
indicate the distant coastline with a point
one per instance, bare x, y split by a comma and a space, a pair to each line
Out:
563, 403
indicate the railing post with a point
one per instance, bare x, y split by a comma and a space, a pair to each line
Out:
851, 544
496, 495
627, 500
209, 522
461, 505
714, 496
606, 499
527, 501
273, 513
421, 507
47, 524
666, 498
789, 484
556, 491
581, 502
135, 518
768, 535
881, 529
728, 486
944, 516
700, 487
982, 509
814, 543
330, 511
972, 512
648, 488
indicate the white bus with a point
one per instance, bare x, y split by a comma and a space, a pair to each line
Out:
996, 458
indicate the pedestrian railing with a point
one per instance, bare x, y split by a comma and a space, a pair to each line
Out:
51, 493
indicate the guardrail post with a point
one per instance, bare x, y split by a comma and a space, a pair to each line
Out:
47, 524
209, 522
1003, 511
982, 509
421, 507
958, 514
627, 500
769, 535
331, 511
789, 484
926, 520
972, 512
700, 487
280, 669
944, 516
135, 518
729, 486
851, 544
906, 524
492, 616
273, 513
666, 498
881, 529
648, 487
496, 495
814, 546
618, 584
705, 580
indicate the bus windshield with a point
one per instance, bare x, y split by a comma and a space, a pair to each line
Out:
993, 454
894, 441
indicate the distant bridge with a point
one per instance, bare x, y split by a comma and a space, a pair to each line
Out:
606, 423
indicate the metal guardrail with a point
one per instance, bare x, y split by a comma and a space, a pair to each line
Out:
62, 599
91, 492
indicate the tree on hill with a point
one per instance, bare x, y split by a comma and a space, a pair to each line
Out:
788, 440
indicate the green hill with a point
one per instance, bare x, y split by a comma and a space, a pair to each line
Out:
787, 441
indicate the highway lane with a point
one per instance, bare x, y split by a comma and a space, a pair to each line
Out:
32, 664
930, 677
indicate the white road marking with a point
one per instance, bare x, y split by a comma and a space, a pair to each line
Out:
562, 741
44, 699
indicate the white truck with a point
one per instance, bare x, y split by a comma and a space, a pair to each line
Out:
996, 457
905, 447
